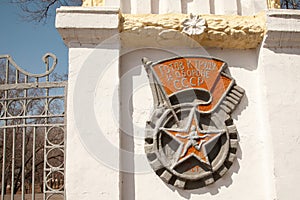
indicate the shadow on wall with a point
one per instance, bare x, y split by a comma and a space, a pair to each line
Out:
292, 51
226, 180
214, 188
246, 59
131, 132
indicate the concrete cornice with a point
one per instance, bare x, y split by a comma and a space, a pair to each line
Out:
283, 29
80, 26
92, 25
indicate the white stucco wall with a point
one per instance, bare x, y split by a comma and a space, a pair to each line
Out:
251, 175
281, 78
109, 101
280, 60
266, 119
87, 176
90, 176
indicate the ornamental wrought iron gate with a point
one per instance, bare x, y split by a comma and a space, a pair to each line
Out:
32, 132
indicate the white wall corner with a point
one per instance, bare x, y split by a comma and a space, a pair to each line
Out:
280, 75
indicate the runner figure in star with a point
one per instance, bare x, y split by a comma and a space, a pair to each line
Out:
193, 138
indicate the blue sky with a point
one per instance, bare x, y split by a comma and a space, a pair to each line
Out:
27, 42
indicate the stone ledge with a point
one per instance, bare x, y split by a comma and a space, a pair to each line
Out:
283, 29
78, 9
236, 32
92, 25
89, 25
90, 17
283, 20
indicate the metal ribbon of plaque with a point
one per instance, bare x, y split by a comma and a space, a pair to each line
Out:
191, 140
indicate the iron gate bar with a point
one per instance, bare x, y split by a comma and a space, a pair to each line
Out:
32, 125
13, 164
32, 85
45, 59
42, 82
3, 164
29, 117
33, 165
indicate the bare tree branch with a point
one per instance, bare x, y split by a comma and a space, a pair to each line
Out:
40, 10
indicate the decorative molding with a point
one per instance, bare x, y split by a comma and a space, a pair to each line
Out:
195, 25
89, 25
92, 25
232, 31
283, 29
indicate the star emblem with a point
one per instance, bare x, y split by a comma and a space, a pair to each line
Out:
192, 139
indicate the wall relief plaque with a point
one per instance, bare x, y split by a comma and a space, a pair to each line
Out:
191, 140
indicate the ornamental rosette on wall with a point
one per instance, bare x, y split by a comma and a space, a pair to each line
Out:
194, 25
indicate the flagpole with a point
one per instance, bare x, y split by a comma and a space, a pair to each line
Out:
147, 65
